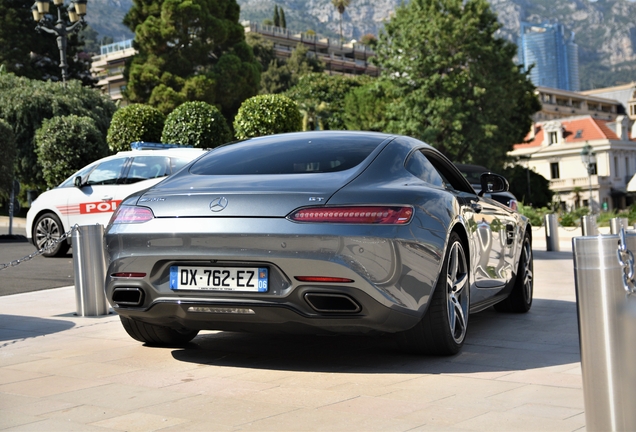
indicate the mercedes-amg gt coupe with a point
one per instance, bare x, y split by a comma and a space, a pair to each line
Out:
312, 232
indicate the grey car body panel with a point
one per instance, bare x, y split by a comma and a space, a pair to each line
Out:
394, 268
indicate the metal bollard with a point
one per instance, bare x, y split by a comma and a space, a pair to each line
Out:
551, 232
617, 223
588, 226
89, 264
607, 333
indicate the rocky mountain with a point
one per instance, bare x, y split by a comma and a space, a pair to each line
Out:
605, 30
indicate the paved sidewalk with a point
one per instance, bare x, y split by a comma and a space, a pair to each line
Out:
516, 372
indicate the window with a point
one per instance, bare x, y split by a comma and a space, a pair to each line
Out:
552, 137
107, 172
147, 167
418, 165
616, 166
288, 154
579, 133
592, 169
626, 166
554, 170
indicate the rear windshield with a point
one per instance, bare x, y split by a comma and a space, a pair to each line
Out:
288, 155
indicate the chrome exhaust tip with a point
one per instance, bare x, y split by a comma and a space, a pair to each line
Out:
128, 296
332, 303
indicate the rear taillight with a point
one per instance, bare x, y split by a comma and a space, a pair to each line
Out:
324, 279
128, 275
391, 215
131, 215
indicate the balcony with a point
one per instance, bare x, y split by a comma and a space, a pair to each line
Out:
568, 184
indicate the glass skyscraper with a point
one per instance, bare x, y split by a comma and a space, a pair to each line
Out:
555, 57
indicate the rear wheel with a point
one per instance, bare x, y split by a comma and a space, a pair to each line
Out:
443, 328
156, 335
48, 230
520, 298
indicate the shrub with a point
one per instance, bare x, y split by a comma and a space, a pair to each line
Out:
198, 124
66, 144
267, 115
25, 103
136, 122
7, 161
536, 215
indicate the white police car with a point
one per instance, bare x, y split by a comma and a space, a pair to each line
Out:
92, 194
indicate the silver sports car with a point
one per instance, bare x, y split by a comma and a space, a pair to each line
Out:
348, 232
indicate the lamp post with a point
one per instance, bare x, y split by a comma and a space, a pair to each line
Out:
61, 28
588, 157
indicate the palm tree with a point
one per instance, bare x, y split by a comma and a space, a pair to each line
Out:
340, 5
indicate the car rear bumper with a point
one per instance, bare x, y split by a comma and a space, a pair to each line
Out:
392, 274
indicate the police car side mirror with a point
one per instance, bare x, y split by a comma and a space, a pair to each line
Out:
78, 182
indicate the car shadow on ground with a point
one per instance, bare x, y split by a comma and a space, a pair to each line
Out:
546, 336
13, 327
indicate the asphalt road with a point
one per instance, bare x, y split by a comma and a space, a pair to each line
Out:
37, 274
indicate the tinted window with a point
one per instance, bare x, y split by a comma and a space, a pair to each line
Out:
288, 155
107, 172
148, 167
421, 167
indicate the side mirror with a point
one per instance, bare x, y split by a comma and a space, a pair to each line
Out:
78, 182
491, 182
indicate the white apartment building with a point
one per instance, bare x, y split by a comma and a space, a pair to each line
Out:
108, 68
555, 150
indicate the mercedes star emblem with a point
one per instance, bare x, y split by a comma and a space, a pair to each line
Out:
218, 204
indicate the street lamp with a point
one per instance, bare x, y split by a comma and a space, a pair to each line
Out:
62, 27
588, 157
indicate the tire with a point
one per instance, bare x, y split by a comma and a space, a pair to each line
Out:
442, 330
520, 298
46, 231
155, 335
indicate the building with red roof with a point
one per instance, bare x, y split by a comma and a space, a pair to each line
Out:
589, 161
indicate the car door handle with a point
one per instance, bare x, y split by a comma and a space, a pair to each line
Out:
475, 206
107, 198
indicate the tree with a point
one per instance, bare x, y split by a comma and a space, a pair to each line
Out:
321, 99
7, 161
341, 5
280, 75
276, 16
26, 103
267, 115
72, 139
453, 83
25, 52
364, 107
369, 39
198, 124
133, 123
539, 187
283, 21
190, 51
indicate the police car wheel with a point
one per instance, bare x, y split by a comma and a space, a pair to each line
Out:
48, 230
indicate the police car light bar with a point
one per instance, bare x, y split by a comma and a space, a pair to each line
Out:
141, 145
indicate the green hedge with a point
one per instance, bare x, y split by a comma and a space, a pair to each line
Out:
136, 122
7, 161
267, 115
198, 124
66, 144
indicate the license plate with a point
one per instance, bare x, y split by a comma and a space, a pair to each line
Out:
243, 279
